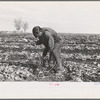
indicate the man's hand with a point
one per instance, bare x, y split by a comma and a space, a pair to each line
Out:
33, 43
45, 58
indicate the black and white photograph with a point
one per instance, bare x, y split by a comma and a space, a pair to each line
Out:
50, 41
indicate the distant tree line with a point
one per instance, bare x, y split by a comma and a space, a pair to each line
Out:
19, 24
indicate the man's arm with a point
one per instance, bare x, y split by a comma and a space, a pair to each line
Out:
50, 41
38, 42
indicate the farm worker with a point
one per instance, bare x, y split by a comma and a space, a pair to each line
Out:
52, 42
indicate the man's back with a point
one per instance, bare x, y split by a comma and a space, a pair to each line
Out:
53, 34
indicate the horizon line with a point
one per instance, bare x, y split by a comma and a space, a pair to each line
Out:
57, 32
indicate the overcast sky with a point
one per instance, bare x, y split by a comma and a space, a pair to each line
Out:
73, 16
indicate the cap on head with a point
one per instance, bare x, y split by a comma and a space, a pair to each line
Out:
36, 30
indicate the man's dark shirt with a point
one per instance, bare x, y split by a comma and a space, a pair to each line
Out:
49, 38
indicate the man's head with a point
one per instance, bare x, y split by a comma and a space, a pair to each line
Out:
37, 31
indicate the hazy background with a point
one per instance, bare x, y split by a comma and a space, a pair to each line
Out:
68, 16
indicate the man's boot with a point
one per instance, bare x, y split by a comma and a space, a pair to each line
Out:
60, 70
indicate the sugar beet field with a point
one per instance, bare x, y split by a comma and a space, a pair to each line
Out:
20, 61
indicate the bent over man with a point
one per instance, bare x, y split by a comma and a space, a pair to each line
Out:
52, 42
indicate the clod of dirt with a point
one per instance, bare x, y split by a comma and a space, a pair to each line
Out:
40, 74
1, 77
18, 78
2, 68
9, 69
60, 77
77, 79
